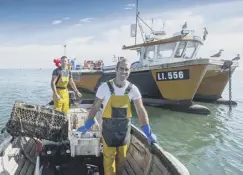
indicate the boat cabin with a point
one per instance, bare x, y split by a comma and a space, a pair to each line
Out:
182, 46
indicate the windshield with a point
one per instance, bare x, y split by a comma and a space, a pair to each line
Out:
186, 49
149, 53
165, 50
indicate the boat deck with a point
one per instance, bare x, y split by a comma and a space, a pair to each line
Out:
13, 161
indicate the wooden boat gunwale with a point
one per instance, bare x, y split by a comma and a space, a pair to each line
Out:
173, 164
169, 161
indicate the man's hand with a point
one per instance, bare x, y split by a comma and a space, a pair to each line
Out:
150, 136
78, 94
72, 84
58, 97
143, 117
89, 123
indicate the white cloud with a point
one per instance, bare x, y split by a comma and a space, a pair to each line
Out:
56, 22
60, 21
82, 21
86, 20
130, 5
103, 39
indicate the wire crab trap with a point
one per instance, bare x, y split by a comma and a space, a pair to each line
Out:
37, 121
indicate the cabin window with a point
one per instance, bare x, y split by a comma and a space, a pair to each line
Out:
186, 49
180, 49
165, 50
149, 53
190, 49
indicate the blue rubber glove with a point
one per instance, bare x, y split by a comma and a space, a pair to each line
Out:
86, 127
147, 131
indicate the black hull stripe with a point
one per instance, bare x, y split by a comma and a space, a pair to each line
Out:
143, 80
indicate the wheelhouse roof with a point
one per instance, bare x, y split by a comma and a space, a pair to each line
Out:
164, 41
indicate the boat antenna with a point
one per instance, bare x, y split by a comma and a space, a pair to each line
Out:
146, 24
152, 23
141, 30
136, 22
65, 49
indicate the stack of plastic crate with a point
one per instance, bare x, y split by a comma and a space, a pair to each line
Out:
87, 144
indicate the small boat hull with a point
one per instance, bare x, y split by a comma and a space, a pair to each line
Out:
213, 83
172, 85
24, 155
141, 159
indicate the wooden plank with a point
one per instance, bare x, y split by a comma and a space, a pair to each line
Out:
31, 168
21, 163
156, 171
136, 168
124, 172
128, 168
140, 154
25, 168
159, 165
143, 159
30, 147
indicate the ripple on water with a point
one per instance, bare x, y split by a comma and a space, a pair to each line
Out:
211, 144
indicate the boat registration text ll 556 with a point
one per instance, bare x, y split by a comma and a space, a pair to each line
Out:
172, 75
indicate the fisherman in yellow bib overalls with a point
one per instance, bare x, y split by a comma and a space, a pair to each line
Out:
116, 96
61, 78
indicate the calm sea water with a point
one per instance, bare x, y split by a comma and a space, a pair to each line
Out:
210, 144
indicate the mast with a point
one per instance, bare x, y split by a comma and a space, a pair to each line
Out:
136, 22
65, 50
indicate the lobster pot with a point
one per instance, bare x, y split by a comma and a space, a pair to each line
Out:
87, 144
37, 121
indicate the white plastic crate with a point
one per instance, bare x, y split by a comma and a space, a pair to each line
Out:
87, 144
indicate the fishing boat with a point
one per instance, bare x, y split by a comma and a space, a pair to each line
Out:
29, 155
166, 73
163, 77
219, 73
169, 73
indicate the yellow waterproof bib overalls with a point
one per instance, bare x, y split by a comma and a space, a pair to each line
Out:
116, 130
62, 90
